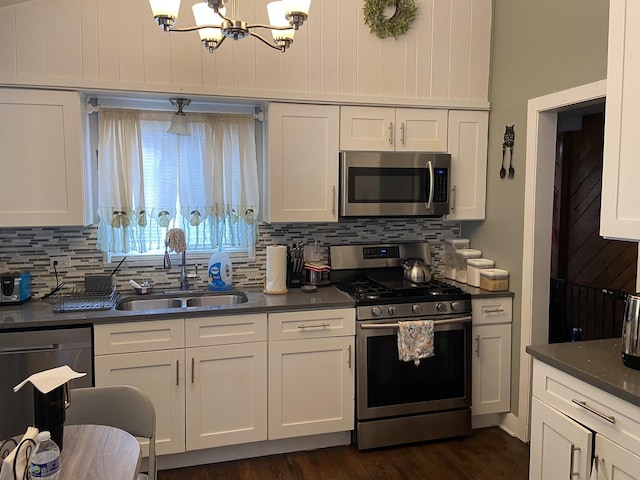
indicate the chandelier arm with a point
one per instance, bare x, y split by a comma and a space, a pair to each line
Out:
275, 47
193, 29
270, 27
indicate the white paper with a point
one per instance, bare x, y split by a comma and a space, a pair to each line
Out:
47, 380
7, 464
276, 280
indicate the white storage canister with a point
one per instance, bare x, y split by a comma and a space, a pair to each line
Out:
494, 279
462, 256
450, 247
474, 265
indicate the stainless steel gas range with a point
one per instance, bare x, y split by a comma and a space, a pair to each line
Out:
399, 402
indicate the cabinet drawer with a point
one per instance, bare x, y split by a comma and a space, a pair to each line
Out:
225, 330
596, 410
138, 336
491, 311
312, 324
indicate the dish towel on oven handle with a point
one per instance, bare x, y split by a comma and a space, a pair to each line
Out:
415, 340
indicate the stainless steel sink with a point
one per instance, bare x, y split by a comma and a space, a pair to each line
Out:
182, 300
148, 303
216, 300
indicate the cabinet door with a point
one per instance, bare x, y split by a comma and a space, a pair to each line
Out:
616, 462
367, 129
160, 375
491, 369
619, 214
302, 164
560, 447
468, 132
421, 130
226, 395
43, 182
311, 387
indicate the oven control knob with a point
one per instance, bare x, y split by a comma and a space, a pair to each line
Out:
376, 311
416, 308
441, 307
457, 306
391, 310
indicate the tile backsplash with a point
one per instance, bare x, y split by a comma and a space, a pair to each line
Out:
31, 249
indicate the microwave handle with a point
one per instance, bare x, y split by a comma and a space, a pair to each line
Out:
431, 185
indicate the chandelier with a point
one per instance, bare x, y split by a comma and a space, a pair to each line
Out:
214, 25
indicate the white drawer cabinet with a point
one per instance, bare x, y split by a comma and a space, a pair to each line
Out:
46, 181
562, 406
311, 372
209, 386
491, 362
385, 129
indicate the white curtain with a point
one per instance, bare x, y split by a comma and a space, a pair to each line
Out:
149, 180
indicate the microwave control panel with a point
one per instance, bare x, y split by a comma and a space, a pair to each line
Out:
440, 184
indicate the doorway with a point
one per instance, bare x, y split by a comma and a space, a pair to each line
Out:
590, 275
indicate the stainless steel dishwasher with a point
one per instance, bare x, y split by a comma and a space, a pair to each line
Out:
23, 353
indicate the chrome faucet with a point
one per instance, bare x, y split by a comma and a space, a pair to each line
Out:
184, 278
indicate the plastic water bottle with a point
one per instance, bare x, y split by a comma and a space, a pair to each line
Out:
220, 271
45, 459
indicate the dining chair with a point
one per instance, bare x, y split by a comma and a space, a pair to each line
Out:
122, 406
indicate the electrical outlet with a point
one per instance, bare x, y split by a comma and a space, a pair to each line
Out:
59, 262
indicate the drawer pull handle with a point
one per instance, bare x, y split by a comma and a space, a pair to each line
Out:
477, 345
349, 358
495, 310
608, 418
315, 325
177, 372
193, 370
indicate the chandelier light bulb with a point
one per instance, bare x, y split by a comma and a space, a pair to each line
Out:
277, 19
205, 17
165, 12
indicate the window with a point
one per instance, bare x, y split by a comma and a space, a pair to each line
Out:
150, 181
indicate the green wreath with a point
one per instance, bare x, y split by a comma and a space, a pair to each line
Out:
397, 25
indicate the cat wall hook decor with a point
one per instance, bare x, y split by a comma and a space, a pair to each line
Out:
507, 146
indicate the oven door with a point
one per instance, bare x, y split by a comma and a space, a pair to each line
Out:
389, 387
394, 184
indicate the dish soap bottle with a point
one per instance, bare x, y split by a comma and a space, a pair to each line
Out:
220, 271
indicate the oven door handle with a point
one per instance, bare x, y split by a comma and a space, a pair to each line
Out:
443, 321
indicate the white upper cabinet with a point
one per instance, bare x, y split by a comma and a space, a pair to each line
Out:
383, 129
301, 169
45, 180
443, 59
468, 132
619, 215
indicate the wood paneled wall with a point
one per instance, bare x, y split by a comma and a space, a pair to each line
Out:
115, 44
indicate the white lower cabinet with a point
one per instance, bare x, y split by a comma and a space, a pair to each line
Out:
211, 391
227, 380
160, 374
615, 462
311, 372
566, 414
491, 361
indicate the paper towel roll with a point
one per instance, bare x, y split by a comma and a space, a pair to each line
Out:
276, 279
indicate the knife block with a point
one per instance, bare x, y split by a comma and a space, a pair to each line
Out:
294, 279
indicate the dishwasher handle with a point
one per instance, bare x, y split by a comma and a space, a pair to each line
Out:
51, 347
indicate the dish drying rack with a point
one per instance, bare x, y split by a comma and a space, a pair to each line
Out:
78, 299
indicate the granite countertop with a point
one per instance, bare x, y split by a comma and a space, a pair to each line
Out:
40, 314
597, 362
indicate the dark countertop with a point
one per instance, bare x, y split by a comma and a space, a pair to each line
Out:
40, 314
597, 362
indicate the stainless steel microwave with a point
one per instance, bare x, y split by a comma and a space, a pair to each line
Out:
389, 184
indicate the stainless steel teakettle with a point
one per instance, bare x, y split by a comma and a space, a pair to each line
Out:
631, 332
416, 270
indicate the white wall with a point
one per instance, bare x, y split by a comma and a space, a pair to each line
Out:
115, 44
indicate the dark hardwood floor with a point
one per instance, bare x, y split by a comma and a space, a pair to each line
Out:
487, 454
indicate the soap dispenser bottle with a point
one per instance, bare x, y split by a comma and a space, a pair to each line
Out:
220, 271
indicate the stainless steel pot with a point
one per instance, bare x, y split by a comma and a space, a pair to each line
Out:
631, 332
416, 270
